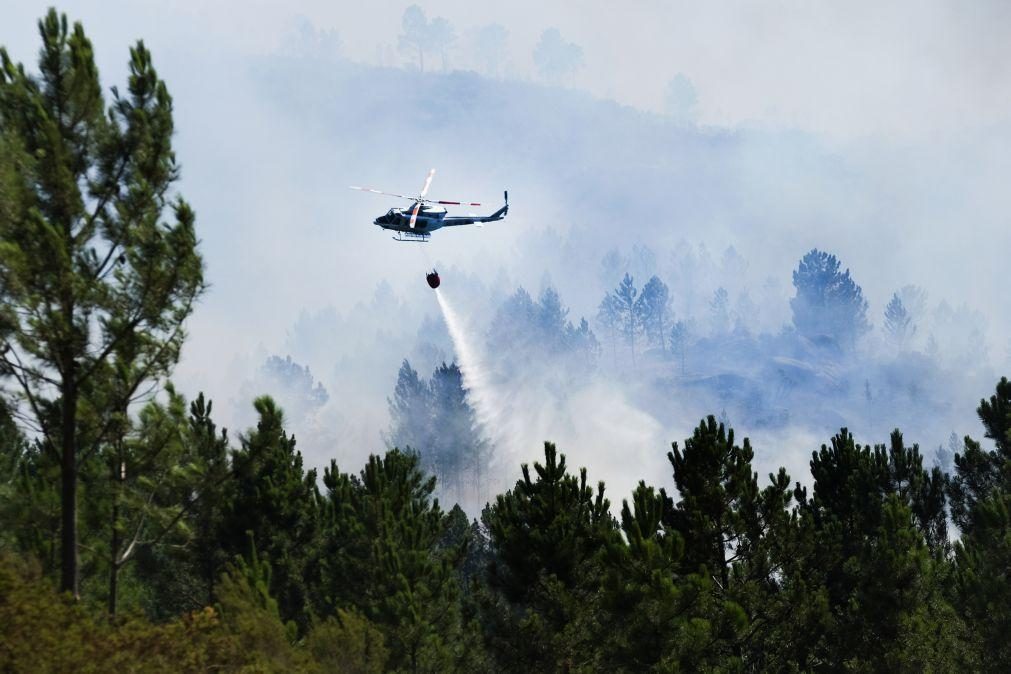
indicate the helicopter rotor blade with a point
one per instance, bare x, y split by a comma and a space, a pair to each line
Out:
414, 213
428, 183
457, 203
369, 189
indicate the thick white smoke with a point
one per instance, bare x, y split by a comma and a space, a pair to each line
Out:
594, 424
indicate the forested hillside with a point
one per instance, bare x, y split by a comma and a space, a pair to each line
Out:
721, 217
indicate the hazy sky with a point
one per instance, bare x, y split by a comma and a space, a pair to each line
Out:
915, 95
845, 69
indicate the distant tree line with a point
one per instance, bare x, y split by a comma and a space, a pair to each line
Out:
828, 307
556, 58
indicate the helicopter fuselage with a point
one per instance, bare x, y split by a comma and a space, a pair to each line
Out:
430, 218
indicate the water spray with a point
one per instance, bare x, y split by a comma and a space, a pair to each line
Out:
476, 380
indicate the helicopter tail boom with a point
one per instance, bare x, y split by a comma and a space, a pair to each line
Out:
500, 213
478, 219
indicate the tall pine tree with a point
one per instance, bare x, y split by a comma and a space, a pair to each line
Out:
90, 272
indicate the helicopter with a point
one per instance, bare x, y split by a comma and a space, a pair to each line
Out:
416, 223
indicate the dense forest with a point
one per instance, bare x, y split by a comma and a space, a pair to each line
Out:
136, 534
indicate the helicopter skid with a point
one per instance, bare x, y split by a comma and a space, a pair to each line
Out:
410, 236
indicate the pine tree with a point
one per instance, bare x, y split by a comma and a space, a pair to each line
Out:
621, 308
980, 492
415, 39
90, 274
723, 516
546, 526
410, 412
457, 450
183, 576
271, 497
652, 616
828, 301
654, 313
151, 481
380, 556
248, 608
29, 496
898, 324
293, 384
719, 308
995, 414
545, 535
514, 326
555, 57
583, 345
679, 336
552, 321
442, 35
211, 450
979, 472
873, 543
982, 588
609, 318
612, 265
541, 332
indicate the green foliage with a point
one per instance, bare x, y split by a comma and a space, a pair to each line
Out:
250, 612
383, 532
49, 632
865, 561
29, 504
982, 582
271, 497
95, 285
547, 527
995, 414
347, 643
545, 536
654, 617
735, 537
980, 507
718, 491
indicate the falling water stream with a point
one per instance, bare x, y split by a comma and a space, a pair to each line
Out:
476, 379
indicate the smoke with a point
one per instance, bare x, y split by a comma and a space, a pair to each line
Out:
520, 406
773, 171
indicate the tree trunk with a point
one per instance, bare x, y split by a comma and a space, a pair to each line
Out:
631, 337
115, 543
113, 576
68, 494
